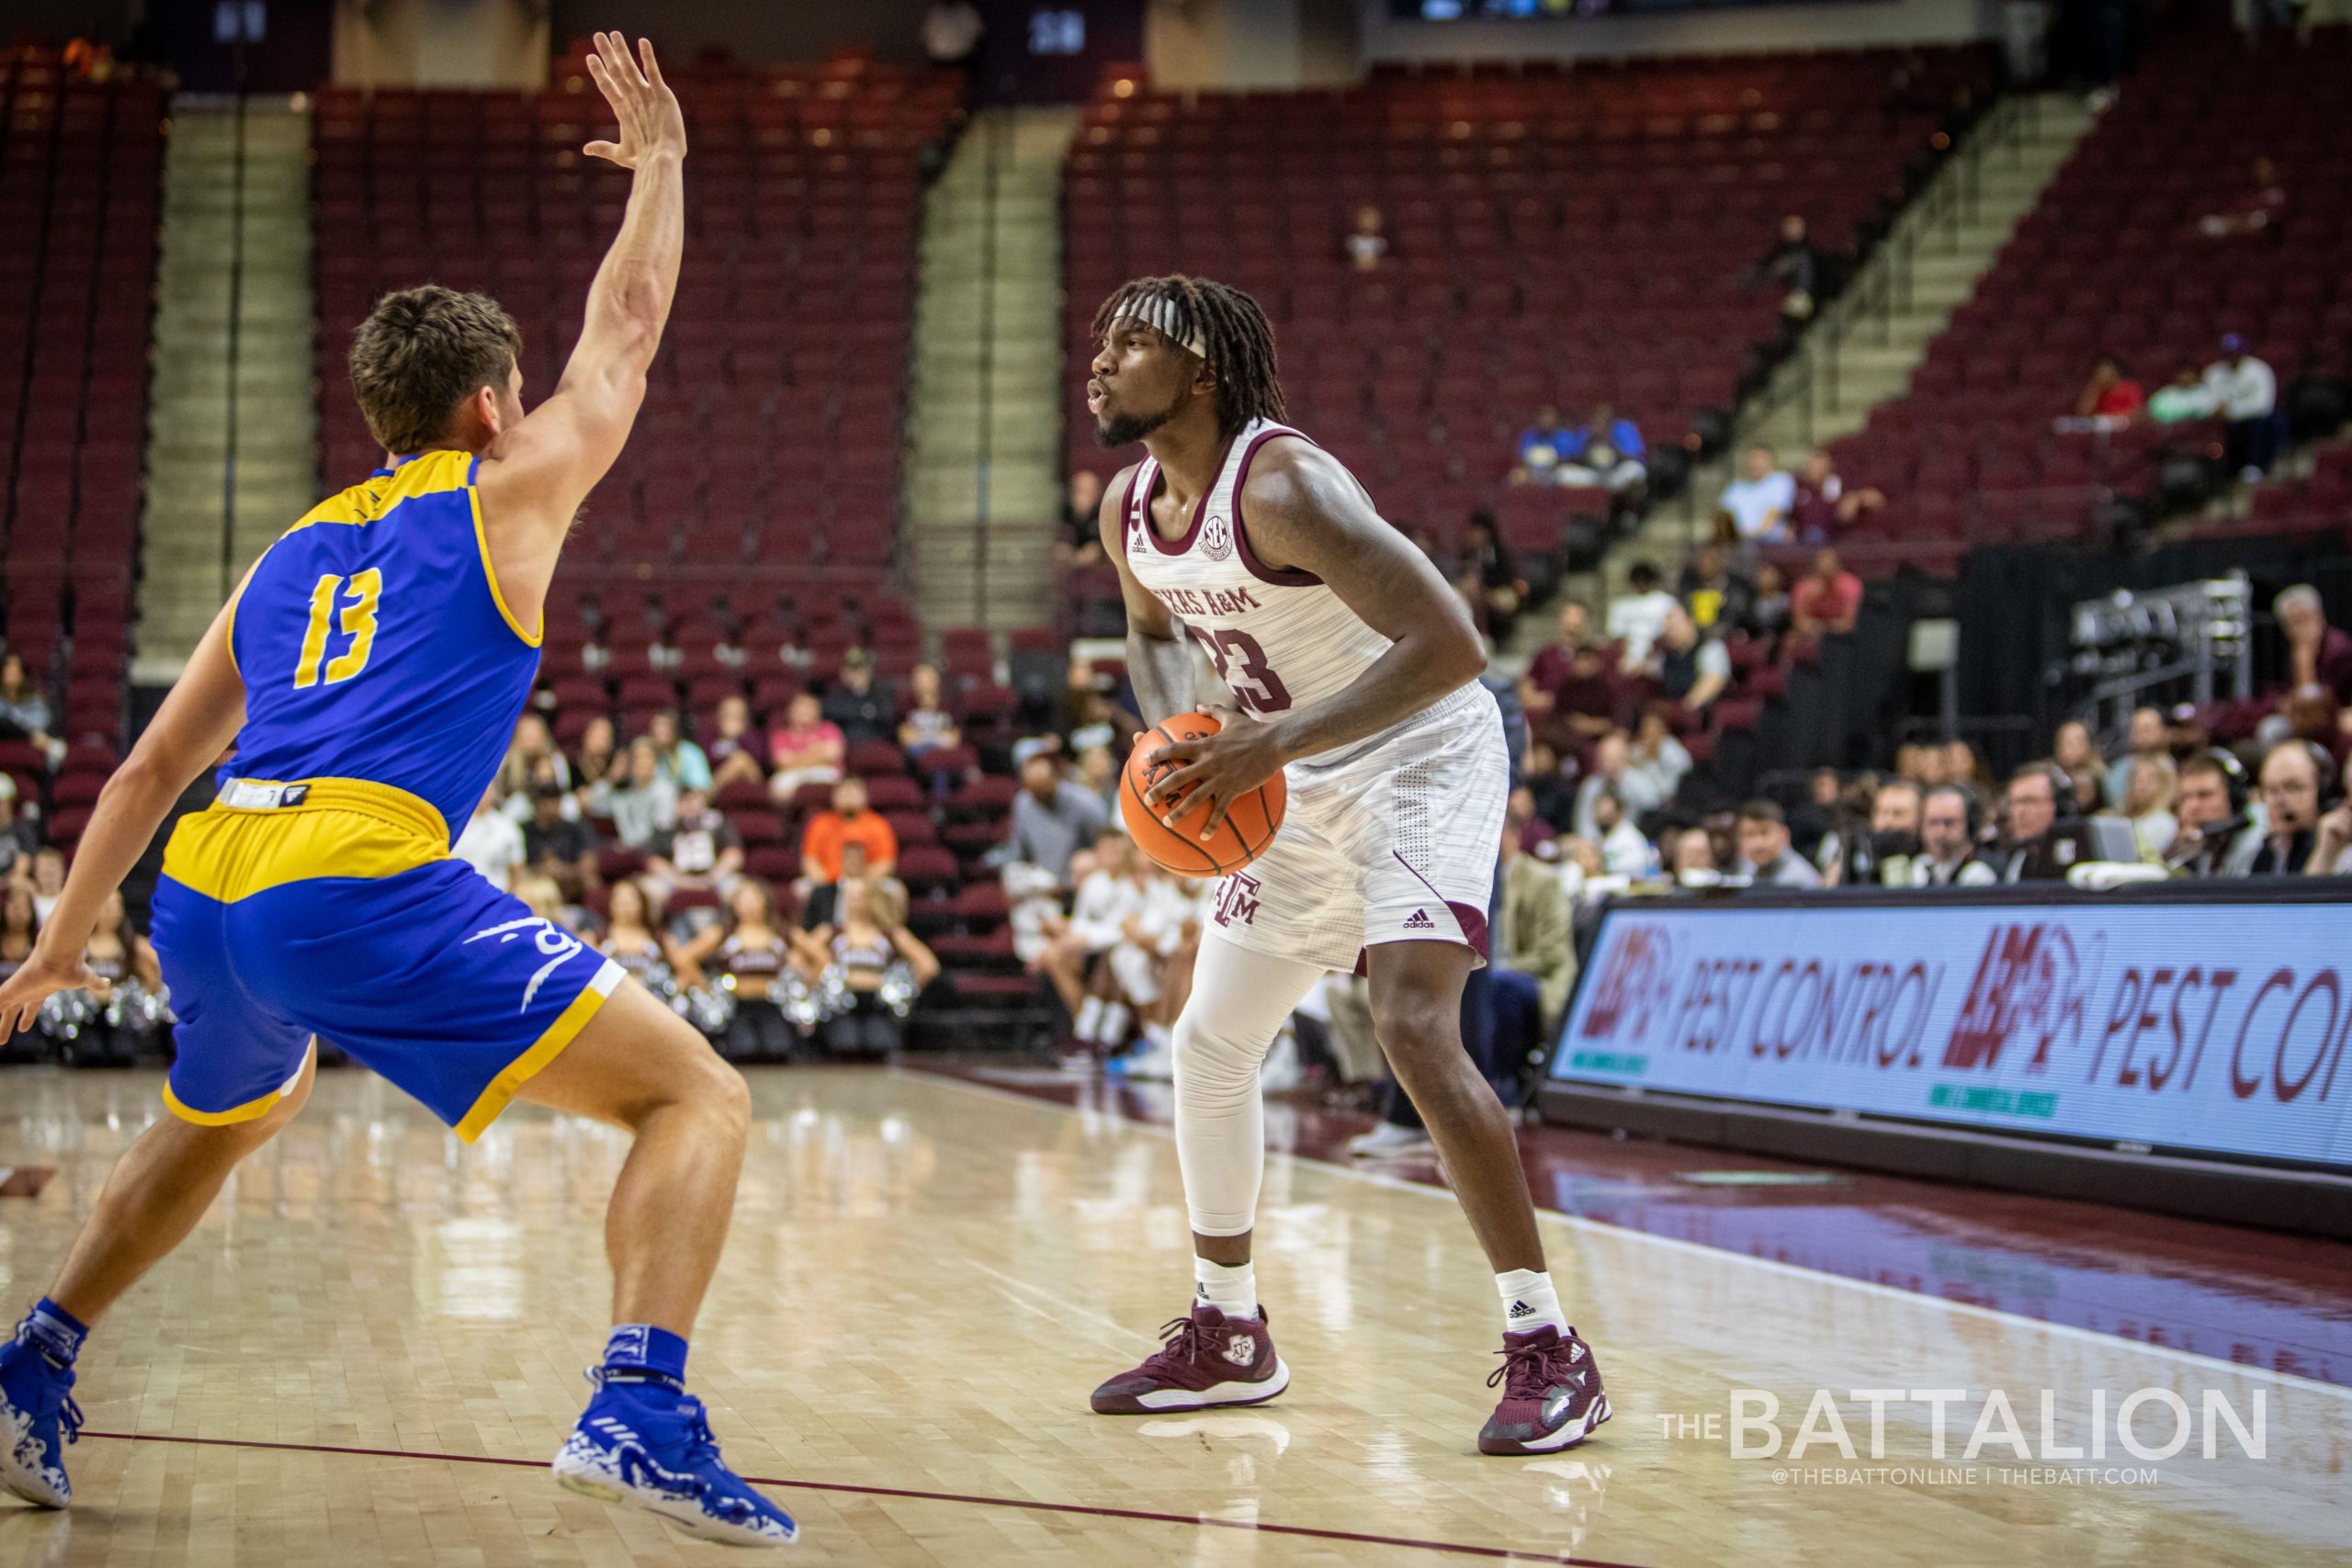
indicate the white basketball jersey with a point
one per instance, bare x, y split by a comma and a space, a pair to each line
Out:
1280, 639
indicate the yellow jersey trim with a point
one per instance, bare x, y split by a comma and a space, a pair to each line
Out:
251, 1111
343, 828
489, 575
547, 1048
432, 473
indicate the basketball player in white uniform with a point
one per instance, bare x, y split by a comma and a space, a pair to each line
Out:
1350, 665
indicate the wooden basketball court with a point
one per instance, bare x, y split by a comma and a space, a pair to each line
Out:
373, 1346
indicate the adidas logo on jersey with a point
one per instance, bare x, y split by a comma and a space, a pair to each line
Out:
1420, 921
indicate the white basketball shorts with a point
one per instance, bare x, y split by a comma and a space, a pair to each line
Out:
1394, 839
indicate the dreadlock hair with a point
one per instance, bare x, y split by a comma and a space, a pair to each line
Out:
1238, 339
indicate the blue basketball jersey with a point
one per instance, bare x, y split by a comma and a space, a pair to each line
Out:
374, 644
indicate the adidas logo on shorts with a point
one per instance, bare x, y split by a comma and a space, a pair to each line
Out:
1420, 921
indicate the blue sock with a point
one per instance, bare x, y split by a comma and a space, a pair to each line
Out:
638, 1353
55, 1332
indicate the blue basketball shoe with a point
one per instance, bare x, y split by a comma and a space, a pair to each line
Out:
649, 1446
38, 1418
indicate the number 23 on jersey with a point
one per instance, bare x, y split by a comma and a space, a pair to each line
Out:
358, 621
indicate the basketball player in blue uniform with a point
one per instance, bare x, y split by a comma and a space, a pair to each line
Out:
368, 672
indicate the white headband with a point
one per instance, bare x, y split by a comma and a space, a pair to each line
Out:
1162, 312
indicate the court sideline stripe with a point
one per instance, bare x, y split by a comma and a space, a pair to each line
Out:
1675, 1244
1146, 1516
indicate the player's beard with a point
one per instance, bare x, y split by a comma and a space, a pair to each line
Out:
1126, 429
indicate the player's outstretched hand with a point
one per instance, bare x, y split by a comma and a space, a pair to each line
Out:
1244, 753
41, 977
642, 102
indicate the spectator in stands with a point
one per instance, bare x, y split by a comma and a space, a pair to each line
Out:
1606, 451
2216, 839
1052, 817
864, 943
1826, 602
1534, 955
1637, 617
738, 752
2073, 748
2260, 210
927, 725
1549, 788
1543, 446
749, 954
1072, 941
49, 879
1610, 755
647, 803
2317, 653
806, 749
1097, 772
2110, 394
2031, 818
2332, 841
1765, 858
1759, 501
2148, 800
600, 763
859, 704
1718, 598
1768, 612
1692, 669
1964, 766
491, 843
2149, 737
1882, 854
1656, 764
1821, 504
1795, 266
1366, 245
562, 849
1490, 578
532, 760
682, 762
2183, 398
2290, 786
1521, 822
703, 850
20, 832
951, 31
1690, 852
852, 820
1948, 856
24, 711
1083, 519
1623, 851
2245, 390
1567, 693
19, 925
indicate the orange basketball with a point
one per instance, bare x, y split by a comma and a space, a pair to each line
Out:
1248, 828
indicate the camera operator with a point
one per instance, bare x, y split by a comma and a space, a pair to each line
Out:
1948, 856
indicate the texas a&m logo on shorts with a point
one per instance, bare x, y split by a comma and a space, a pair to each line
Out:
1237, 900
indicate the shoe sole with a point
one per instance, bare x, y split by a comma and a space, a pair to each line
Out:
16, 1479
1244, 1395
589, 1484
1567, 1436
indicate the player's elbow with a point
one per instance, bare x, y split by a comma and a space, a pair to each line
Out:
1459, 652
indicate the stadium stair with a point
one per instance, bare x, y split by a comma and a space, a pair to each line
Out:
232, 362
984, 436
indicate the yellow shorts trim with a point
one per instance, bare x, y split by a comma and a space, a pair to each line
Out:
341, 828
547, 1048
251, 1111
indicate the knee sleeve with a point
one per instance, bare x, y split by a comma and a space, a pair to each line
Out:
1240, 999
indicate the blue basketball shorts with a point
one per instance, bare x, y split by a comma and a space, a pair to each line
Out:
332, 907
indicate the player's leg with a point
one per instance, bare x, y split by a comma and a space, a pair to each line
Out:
1220, 1354
152, 1198
1552, 1396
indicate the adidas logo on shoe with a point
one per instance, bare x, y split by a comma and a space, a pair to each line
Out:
1520, 1309
1420, 921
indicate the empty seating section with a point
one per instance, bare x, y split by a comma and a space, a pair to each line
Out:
1570, 235
2112, 261
80, 181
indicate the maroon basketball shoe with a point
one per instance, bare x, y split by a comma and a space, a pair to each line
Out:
1204, 1362
1552, 1394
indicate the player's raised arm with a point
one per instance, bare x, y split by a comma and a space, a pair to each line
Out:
534, 476
1159, 656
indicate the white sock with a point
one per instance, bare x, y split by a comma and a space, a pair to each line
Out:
1232, 1290
1530, 1302
1090, 1019
1114, 1023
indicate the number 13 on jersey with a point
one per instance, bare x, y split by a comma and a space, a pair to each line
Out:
359, 595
